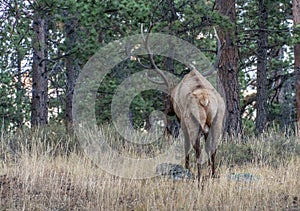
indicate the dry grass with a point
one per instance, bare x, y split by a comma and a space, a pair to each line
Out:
34, 179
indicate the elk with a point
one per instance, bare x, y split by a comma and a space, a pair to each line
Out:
199, 108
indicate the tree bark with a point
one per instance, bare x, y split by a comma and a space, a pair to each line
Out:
262, 56
296, 17
39, 105
20, 92
71, 74
228, 68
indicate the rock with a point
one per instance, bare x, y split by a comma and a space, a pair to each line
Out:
173, 171
243, 177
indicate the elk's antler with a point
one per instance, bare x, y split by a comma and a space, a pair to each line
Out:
216, 63
219, 49
157, 70
197, 105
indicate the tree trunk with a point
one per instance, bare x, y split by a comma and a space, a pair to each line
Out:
228, 70
262, 56
39, 106
20, 92
71, 73
296, 17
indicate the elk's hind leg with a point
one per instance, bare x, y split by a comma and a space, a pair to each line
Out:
211, 161
187, 146
213, 167
187, 161
197, 148
191, 132
212, 140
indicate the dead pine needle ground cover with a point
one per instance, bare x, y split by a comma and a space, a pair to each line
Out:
254, 174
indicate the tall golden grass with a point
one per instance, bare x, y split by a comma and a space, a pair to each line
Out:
43, 171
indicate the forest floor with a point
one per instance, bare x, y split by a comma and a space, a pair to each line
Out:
253, 178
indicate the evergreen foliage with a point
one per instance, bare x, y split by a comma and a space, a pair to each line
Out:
93, 24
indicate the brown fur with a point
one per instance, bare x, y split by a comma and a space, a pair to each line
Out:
198, 106
200, 109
